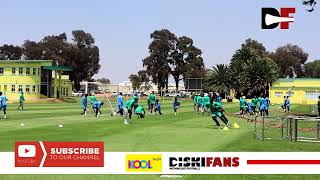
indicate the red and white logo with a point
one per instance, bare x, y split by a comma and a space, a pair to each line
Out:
271, 17
59, 154
26, 151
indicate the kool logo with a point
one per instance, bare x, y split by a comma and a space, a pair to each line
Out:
144, 163
136, 164
271, 18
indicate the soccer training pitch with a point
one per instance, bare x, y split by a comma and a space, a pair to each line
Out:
188, 131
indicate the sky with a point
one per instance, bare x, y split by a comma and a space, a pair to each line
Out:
122, 28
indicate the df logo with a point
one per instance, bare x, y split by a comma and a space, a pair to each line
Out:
271, 18
144, 163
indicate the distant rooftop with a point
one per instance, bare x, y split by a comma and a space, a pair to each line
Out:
24, 61
59, 68
297, 79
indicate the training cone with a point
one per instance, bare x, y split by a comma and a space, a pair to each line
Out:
235, 125
225, 128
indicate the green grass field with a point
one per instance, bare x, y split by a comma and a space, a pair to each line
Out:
188, 131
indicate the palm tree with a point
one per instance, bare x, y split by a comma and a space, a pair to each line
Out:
238, 63
259, 74
219, 79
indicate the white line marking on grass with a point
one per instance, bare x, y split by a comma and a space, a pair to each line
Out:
170, 176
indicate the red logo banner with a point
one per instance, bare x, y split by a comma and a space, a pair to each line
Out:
59, 154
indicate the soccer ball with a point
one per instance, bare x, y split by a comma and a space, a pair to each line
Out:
21, 124
60, 126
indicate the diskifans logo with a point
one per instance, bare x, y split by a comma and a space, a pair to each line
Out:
195, 163
144, 163
271, 18
59, 154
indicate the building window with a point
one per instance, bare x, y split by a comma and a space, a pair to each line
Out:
5, 88
33, 88
312, 95
20, 88
278, 94
13, 88
27, 71
34, 71
27, 88
13, 70
20, 71
38, 71
290, 93
1, 70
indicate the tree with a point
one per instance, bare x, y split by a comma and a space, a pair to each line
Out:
145, 79
186, 61
238, 63
50, 47
312, 69
10, 52
174, 56
157, 63
136, 81
88, 54
290, 59
104, 80
256, 46
251, 70
194, 67
81, 54
218, 79
259, 74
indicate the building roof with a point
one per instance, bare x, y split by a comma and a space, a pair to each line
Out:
59, 68
24, 61
297, 79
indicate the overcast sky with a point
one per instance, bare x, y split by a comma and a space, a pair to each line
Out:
122, 27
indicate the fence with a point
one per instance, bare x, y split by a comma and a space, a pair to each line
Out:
291, 128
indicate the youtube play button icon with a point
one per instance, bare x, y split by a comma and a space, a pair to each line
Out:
26, 151
28, 154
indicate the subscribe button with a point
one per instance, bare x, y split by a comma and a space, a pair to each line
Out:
59, 154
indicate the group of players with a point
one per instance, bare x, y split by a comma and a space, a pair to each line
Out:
256, 106
260, 104
96, 105
133, 106
212, 104
3, 103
